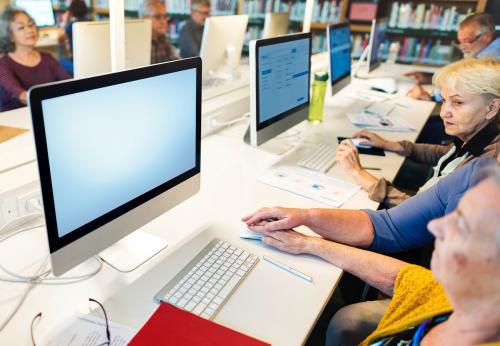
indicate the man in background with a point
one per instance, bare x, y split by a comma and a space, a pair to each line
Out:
476, 39
161, 48
192, 31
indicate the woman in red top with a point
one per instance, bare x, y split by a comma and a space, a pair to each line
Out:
22, 66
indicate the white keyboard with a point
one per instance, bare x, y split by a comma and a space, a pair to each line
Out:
206, 283
320, 159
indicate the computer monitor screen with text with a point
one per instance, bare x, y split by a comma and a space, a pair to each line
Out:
279, 84
110, 145
339, 48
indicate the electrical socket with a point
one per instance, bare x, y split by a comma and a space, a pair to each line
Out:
22, 202
22, 181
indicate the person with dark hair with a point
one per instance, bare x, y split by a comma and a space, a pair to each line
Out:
192, 31
22, 66
77, 11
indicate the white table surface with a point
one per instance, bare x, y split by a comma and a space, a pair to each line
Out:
271, 304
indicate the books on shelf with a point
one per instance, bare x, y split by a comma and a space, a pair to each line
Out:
425, 51
425, 16
318, 43
259, 8
327, 11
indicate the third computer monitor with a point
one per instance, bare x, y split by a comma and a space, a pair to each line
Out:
339, 49
377, 37
222, 42
280, 71
92, 48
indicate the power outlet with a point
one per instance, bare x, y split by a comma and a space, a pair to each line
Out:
22, 202
17, 186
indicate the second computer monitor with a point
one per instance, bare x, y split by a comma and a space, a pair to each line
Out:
339, 51
280, 71
222, 40
92, 48
377, 37
275, 24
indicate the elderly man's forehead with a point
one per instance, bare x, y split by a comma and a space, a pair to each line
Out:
469, 29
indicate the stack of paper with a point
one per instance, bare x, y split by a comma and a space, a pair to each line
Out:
380, 123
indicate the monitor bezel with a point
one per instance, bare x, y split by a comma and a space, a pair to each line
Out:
47, 91
345, 79
377, 62
271, 41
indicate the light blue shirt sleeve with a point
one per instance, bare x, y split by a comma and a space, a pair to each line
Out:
492, 50
404, 227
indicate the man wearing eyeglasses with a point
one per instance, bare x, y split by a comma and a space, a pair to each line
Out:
161, 48
476, 39
192, 31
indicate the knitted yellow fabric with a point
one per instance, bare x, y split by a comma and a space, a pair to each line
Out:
417, 297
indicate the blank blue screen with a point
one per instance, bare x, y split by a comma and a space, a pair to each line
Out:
340, 53
283, 77
110, 145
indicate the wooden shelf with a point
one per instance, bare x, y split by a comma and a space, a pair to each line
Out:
422, 33
360, 27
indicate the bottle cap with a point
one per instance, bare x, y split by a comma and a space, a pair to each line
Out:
321, 76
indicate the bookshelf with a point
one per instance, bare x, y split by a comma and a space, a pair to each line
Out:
426, 31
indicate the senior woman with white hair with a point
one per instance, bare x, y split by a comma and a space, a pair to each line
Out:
470, 112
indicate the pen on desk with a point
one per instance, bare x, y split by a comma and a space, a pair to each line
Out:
288, 269
373, 168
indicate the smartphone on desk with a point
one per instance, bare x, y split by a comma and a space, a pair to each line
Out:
367, 151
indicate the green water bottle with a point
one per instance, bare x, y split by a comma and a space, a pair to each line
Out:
318, 97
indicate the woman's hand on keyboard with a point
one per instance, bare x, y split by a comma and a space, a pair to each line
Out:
276, 218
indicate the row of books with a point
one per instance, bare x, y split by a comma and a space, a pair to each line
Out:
423, 16
218, 8
426, 51
129, 5
326, 11
318, 43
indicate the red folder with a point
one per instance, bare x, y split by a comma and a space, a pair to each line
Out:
170, 325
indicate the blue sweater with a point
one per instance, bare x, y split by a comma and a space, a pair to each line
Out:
404, 227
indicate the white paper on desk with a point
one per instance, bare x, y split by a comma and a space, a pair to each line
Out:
316, 186
379, 123
88, 330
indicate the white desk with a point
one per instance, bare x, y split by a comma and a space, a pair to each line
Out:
270, 304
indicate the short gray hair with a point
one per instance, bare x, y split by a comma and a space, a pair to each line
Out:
196, 4
146, 7
7, 16
484, 20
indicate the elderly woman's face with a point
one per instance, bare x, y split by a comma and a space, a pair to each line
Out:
24, 31
463, 113
466, 249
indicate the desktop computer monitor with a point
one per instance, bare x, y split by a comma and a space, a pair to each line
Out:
280, 70
339, 51
377, 37
92, 47
40, 10
275, 24
222, 42
114, 152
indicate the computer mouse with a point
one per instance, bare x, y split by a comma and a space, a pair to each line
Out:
357, 143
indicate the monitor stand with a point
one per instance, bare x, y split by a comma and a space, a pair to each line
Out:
272, 146
132, 251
